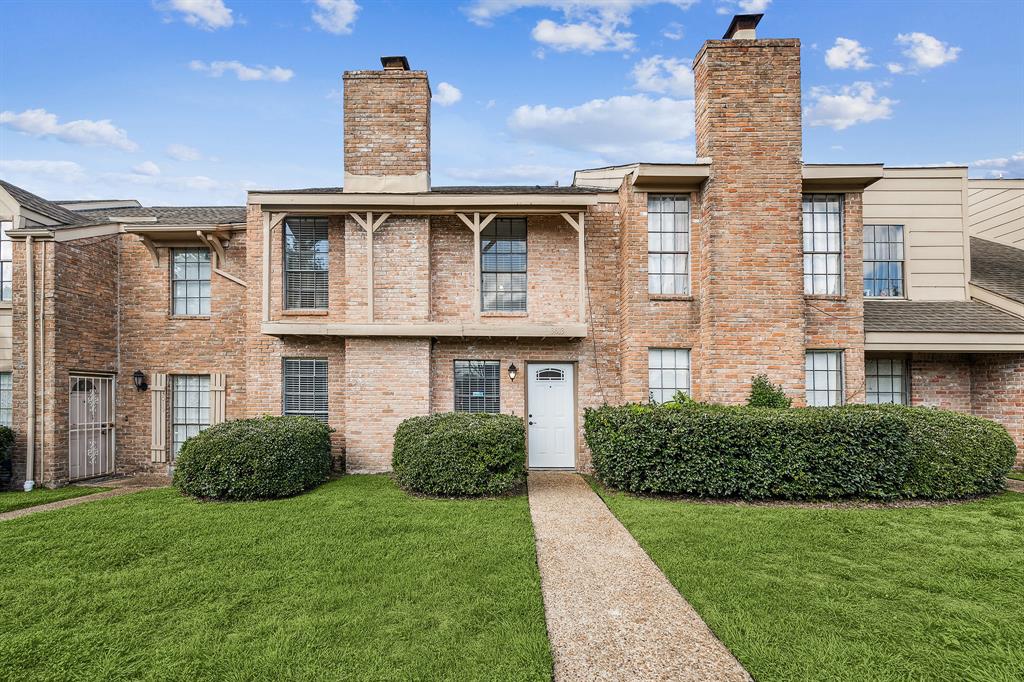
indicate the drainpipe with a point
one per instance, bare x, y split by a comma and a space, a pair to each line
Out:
30, 357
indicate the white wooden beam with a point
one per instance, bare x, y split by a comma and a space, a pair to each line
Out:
217, 246
582, 248
369, 225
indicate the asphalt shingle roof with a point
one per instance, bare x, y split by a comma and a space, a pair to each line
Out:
939, 316
998, 268
37, 204
173, 215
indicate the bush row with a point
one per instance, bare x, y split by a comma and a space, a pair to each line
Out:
459, 454
254, 459
874, 452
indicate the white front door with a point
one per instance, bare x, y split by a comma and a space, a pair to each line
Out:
551, 415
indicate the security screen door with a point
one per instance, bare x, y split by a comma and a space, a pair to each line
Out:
90, 426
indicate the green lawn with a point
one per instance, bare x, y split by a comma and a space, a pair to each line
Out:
927, 593
354, 580
20, 499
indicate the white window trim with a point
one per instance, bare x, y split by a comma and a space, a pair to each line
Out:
689, 241
902, 262
842, 246
688, 390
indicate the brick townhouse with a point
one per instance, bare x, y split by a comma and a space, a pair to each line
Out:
126, 329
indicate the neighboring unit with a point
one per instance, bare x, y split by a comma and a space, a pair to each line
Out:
127, 329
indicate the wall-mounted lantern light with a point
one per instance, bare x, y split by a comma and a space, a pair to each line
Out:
512, 371
140, 380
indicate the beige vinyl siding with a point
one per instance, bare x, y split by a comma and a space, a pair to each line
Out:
929, 203
996, 210
6, 357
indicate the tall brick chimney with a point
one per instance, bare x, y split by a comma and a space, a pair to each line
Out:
751, 287
387, 129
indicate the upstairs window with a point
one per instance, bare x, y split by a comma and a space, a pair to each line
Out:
668, 244
190, 282
886, 381
477, 386
883, 260
823, 244
668, 371
503, 265
305, 263
823, 374
5, 261
305, 388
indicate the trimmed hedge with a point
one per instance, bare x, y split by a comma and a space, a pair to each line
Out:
459, 454
6, 444
873, 452
255, 459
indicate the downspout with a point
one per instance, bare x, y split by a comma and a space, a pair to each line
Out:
30, 358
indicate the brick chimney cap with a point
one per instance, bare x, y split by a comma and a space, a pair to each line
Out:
398, 62
742, 22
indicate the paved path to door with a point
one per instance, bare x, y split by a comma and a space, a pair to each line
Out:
60, 504
611, 613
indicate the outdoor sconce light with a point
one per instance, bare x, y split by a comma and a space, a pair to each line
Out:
512, 371
140, 380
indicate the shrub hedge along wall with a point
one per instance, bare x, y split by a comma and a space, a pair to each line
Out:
458, 454
254, 459
874, 452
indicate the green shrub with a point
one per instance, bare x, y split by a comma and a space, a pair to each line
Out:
6, 444
459, 454
763, 393
792, 454
255, 459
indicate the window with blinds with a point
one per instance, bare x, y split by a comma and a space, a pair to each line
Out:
503, 265
477, 386
305, 388
305, 263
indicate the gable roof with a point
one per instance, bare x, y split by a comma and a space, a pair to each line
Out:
173, 215
998, 268
37, 204
939, 316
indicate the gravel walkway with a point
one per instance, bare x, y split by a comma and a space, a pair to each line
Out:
611, 613
60, 504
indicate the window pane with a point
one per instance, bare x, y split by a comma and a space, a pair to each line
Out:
668, 371
886, 381
190, 282
304, 391
477, 386
823, 377
503, 265
188, 391
823, 243
883, 260
668, 243
305, 262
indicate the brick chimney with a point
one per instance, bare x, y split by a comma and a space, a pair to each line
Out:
747, 106
387, 129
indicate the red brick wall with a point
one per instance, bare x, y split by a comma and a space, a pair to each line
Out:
997, 392
387, 122
941, 380
750, 289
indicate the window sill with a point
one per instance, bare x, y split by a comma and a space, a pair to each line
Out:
669, 297
885, 298
825, 297
6, 305
188, 317
301, 312
501, 313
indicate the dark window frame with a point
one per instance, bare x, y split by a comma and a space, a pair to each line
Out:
873, 247
305, 286
187, 280
493, 407
321, 413
812, 373
809, 255
176, 392
493, 247
904, 393
658, 255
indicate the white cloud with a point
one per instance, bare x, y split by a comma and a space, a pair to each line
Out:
64, 171
182, 152
1001, 167
663, 75
673, 31
852, 104
589, 25
894, 67
447, 94
925, 51
623, 128
847, 54
146, 168
206, 14
243, 72
584, 37
336, 16
743, 6
41, 123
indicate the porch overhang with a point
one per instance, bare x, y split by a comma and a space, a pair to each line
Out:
570, 330
945, 342
840, 177
424, 204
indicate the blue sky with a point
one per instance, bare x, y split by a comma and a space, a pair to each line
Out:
195, 101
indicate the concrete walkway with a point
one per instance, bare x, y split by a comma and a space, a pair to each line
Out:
1015, 485
611, 613
60, 504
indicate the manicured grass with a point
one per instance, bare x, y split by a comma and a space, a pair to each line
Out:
1016, 474
932, 593
354, 580
20, 499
